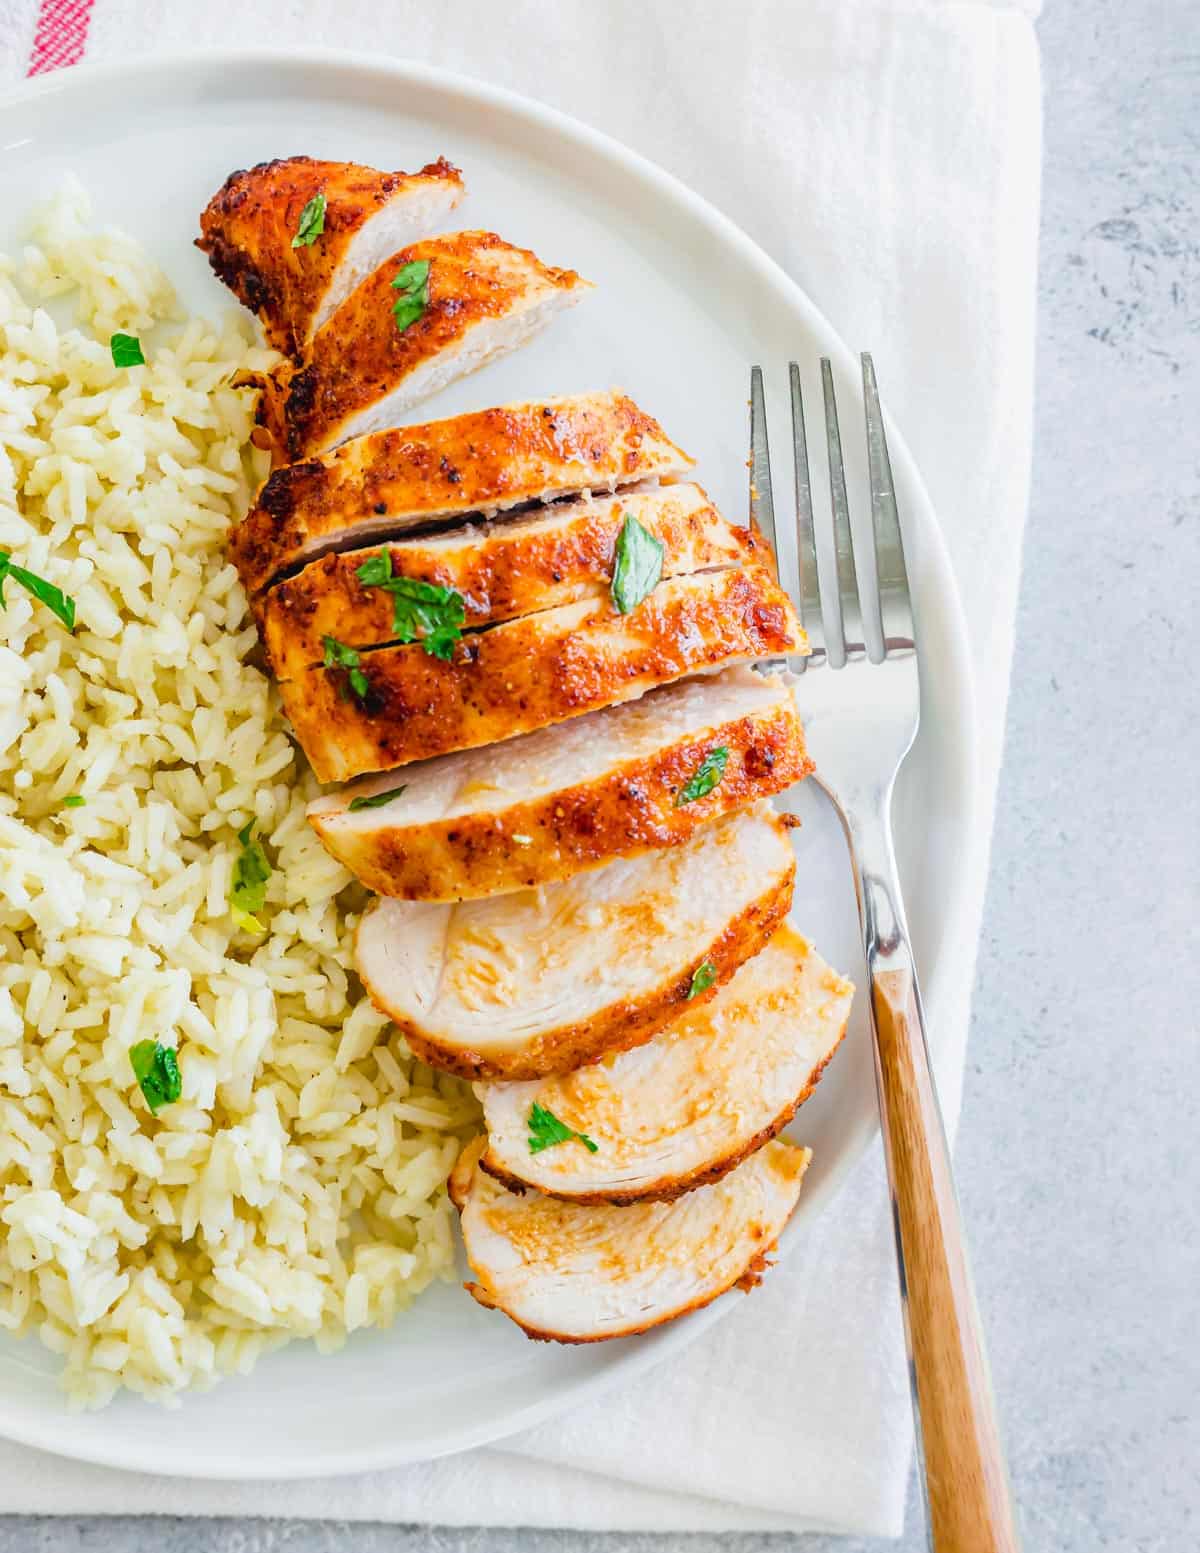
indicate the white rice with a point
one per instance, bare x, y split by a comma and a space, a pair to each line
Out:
297, 1189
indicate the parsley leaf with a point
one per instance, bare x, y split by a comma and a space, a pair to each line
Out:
126, 351
156, 1069
705, 777
638, 567
376, 570
376, 800
74, 801
546, 1131
248, 887
421, 611
45, 592
312, 223
702, 979
339, 656
412, 282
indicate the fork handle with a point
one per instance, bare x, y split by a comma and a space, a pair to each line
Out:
967, 1494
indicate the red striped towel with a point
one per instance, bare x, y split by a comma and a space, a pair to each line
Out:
60, 36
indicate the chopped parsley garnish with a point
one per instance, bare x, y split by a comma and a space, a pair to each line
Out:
248, 887
705, 777
339, 656
638, 566
312, 222
126, 351
74, 801
376, 570
156, 1069
421, 611
546, 1131
702, 979
376, 800
412, 282
45, 592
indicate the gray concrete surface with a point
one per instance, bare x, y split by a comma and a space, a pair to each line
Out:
1077, 1161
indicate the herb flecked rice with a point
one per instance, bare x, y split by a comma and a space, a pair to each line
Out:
296, 1186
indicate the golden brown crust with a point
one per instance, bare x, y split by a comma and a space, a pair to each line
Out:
533, 672
488, 459
630, 810
757, 1270
359, 355
620, 1026
669, 1188
506, 570
763, 1235
248, 226
748, 1280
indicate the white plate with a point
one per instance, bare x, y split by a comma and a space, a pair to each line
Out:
685, 304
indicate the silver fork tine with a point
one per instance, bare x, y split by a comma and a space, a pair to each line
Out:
847, 641
809, 603
894, 600
762, 503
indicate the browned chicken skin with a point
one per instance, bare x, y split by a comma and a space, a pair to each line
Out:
546, 806
362, 371
544, 558
535, 671
487, 461
688, 1106
572, 1273
521, 985
248, 227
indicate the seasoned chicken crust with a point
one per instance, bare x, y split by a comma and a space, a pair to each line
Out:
537, 670
688, 1106
545, 806
247, 231
538, 560
362, 372
572, 1273
487, 461
522, 985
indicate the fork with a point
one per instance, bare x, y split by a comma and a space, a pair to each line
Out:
861, 696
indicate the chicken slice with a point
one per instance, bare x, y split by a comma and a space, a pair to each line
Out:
546, 557
531, 672
688, 1106
250, 226
544, 806
522, 985
578, 1274
365, 369
487, 462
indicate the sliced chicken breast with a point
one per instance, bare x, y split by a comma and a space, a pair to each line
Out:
546, 557
579, 1274
260, 234
487, 462
532, 672
368, 365
547, 805
519, 986
688, 1106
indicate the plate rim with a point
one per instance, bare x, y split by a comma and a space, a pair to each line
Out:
657, 1346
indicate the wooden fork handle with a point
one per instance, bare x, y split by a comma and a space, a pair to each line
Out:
967, 1495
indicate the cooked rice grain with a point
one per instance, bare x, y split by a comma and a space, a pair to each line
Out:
297, 1189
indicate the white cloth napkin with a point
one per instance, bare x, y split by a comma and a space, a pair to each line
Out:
887, 154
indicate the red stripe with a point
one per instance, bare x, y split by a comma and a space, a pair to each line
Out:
61, 36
